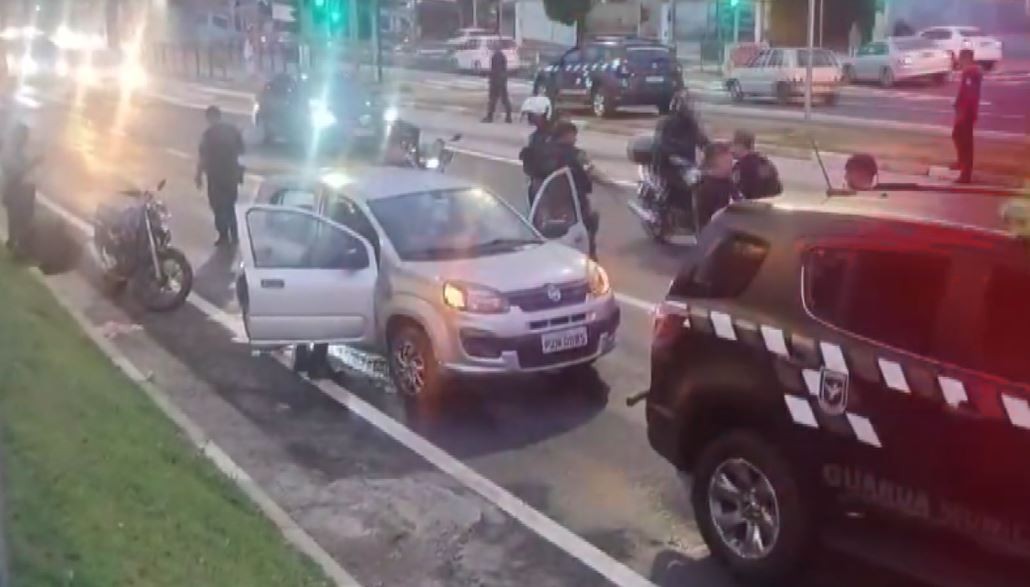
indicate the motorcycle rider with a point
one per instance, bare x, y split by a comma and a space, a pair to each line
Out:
537, 110
755, 176
678, 134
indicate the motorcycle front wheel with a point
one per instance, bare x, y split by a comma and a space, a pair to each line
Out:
168, 291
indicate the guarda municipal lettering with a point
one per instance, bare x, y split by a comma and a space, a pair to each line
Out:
877, 491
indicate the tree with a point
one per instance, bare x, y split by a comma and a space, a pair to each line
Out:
569, 12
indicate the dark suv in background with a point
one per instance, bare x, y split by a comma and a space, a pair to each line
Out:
609, 72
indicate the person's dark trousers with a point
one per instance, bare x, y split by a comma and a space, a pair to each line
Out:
498, 92
592, 220
21, 209
221, 195
962, 134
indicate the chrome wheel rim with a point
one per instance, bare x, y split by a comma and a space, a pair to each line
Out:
173, 276
410, 367
744, 509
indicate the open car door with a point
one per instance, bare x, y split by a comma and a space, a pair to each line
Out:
306, 278
556, 212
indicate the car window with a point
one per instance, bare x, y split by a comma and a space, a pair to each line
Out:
914, 44
572, 57
303, 199
970, 32
892, 297
825, 58
281, 84
220, 22
451, 224
593, 54
346, 213
937, 34
1004, 330
290, 239
502, 44
725, 271
775, 59
648, 55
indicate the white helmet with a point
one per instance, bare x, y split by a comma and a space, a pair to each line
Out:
538, 105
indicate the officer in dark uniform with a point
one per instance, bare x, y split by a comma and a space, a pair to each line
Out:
967, 110
220, 149
498, 85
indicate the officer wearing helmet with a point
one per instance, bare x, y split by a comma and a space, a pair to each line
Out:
537, 110
678, 134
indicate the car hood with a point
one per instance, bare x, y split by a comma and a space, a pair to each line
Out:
508, 272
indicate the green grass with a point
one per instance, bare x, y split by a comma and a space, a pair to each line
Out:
101, 488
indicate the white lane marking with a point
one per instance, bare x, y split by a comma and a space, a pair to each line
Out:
954, 391
178, 153
291, 531
801, 411
593, 557
864, 430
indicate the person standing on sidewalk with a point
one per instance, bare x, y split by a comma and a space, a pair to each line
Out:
19, 191
498, 85
854, 39
220, 149
967, 110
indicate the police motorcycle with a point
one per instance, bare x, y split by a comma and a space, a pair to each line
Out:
662, 221
133, 245
404, 142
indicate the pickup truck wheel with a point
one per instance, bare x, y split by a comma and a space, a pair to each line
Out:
601, 103
413, 366
750, 508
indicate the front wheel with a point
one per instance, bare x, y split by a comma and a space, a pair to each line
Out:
602, 104
168, 291
413, 365
750, 508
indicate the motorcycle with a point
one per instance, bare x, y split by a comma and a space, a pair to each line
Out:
133, 245
662, 221
405, 138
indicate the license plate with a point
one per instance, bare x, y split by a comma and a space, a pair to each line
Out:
655, 79
564, 340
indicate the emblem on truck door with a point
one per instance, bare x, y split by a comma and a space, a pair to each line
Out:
833, 392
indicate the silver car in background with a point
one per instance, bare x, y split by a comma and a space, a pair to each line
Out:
899, 59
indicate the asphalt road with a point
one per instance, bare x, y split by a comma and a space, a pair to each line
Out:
1004, 99
569, 448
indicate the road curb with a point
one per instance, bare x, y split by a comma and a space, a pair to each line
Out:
5, 578
290, 530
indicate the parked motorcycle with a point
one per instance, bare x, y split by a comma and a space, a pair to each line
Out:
662, 221
133, 246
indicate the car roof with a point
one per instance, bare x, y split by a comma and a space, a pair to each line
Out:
966, 211
373, 182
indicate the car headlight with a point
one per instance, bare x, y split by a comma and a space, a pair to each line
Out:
907, 61
321, 116
432, 163
597, 280
475, 299
390, 115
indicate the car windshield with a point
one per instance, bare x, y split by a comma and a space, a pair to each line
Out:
451, 224
970, 32
822, 59
340, 90
914, 44
501, 44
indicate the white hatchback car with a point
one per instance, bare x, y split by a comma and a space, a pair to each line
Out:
899, 59
987, 50
781, 73
476, 52
441, 275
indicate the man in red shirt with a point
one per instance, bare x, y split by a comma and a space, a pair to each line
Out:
967, 109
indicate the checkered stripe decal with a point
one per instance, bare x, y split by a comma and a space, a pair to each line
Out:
802, 358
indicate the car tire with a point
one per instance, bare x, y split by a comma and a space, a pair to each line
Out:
414, 369
886, 77
831, 99
939, 79
601, 103
764, 489
782, 91
990, 65
736, 93
848, 75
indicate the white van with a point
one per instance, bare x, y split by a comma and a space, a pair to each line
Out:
475, 53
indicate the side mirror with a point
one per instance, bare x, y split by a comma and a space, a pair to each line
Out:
554, 229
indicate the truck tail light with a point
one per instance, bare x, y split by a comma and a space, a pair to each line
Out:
669, 320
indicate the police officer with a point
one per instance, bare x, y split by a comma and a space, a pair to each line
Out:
967, 110
220, 149
562, 152
677, 134
498, 85
537, 110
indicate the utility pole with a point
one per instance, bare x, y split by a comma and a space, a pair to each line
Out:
475, 14
377, 42
822, 21
811, 58
736, 20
